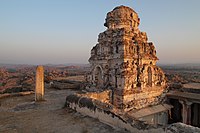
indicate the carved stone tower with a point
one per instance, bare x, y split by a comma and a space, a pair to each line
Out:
125, 62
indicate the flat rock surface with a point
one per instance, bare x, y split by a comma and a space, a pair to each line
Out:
22, 115
192, 85
182, 128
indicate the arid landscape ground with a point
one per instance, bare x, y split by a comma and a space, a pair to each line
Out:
22, 114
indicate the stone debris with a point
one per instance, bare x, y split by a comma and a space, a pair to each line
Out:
25, 106
182, 128
66, 85
16, 94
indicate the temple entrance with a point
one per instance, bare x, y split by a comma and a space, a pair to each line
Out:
149, 76
98, 76
176, 111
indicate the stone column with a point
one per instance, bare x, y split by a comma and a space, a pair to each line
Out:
186, 111
39, 87
189, 113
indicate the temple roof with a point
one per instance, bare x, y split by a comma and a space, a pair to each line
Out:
122, 16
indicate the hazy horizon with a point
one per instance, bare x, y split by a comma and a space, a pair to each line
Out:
69, 64
61, 32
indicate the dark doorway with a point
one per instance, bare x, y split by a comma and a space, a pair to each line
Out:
176, 111
195, 109
99, 76
149, 76
116, 78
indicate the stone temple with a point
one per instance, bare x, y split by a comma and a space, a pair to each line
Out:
124, 62
124, 87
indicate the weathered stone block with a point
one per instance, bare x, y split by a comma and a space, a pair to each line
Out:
39, 87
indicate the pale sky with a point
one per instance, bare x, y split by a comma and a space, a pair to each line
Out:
64, 31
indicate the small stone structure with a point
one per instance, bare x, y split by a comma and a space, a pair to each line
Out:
186, 106
39, 87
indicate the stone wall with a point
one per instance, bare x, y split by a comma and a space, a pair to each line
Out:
100, 96
87, 106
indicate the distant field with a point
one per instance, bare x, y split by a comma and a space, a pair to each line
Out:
182, 73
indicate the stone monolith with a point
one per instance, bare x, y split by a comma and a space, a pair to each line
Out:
39, 87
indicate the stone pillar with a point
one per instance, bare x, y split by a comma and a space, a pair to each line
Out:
39, 86
189, 113
186, 112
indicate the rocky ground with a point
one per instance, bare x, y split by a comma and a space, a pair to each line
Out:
23, 115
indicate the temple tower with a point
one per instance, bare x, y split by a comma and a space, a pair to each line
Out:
125, 62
